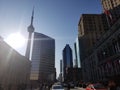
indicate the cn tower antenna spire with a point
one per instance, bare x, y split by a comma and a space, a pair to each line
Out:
32, 17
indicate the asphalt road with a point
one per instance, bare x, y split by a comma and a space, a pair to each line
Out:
75, 88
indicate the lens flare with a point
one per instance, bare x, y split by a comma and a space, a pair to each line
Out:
15, 40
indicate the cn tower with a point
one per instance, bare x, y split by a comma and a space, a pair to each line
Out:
30, 30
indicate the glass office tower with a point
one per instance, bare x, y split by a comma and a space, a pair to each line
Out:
43, 58
67, 59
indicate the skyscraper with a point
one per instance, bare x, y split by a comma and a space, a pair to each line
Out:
113, 6
61, 66
77, 53
99, 59
30, 30
43, 58
90, 28
67, 59
60, 75
110, 4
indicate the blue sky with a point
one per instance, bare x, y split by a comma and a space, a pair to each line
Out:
55, 18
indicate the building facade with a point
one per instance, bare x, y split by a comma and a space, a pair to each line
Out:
61, 64
77, 53
14, 68
61, 70
75, 61
113, 6
110, 4
100, 60
90, 28
43, 59
67, 60
104, 61
74, 75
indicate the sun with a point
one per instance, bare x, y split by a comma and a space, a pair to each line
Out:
15, 40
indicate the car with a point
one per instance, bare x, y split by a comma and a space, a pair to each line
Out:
57, 87
99, 86
72, 85
65, 84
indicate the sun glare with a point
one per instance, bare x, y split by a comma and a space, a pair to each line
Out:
15, 40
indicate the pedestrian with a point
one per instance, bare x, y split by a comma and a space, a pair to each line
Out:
84, 85
112, 85
68, 86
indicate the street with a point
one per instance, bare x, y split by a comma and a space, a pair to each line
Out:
76, 88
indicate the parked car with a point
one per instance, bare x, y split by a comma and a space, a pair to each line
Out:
57, 87
65, 84
72, 85
99, 86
